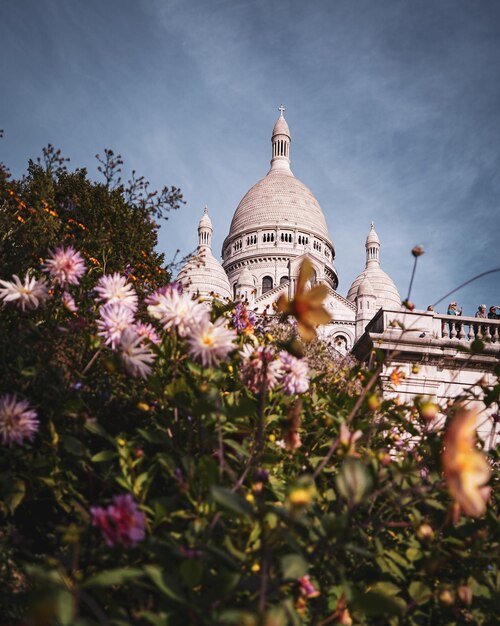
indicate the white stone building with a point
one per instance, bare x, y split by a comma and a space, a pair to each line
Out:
277, 223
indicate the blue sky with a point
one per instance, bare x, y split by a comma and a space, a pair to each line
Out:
393, 106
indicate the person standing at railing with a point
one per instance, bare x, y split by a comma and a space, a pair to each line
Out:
492, 314
452, 310
481, 312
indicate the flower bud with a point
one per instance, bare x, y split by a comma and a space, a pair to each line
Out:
446, 597
465, 594
425, 532
417, 251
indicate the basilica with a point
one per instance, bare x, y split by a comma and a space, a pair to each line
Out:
277, 223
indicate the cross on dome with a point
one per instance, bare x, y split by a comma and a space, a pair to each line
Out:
281, 109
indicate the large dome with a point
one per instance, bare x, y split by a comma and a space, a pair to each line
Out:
279, 199
278, 220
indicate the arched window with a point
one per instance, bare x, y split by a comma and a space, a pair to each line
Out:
283, 279
267, 284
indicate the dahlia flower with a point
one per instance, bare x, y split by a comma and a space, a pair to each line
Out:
256, 361
17, 420
148, 332
294, 374
210, 343
69, 302
465, 467
135, 356
114, 288
26, 296
121, 522
115, 318
65, 266
179, 311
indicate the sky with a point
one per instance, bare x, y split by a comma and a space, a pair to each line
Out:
393, 107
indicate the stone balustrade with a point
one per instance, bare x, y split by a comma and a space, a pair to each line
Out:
430, 325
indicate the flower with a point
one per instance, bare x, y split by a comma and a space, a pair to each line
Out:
295, 374
114, 288
306, 306
178, 310
17, 420
115, 318
465, 467
243, 319
210, 342
148, 332
135, 356
347, 439
300, 497
26, 296
397, 377
256, 361
65, 266
307, 589
121, 522
69, 302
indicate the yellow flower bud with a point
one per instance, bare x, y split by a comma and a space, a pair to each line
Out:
142, 406
255, 568
299, 497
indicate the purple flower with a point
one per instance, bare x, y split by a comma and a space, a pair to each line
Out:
243, 319
295, 374
115, 318
17, 420
121, 522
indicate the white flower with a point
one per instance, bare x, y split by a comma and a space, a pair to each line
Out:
210, 342
26, 296
135, 356
17, 420
115, 318
178, 310
114, 288
295, 374
65, 266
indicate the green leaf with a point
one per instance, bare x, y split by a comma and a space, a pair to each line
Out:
65, 603
111, 577
386, 588
165, 583
375, 604
231, 501
293, 566
73, 445
12, 493
353, 481
419, 592
103, 456
191, 571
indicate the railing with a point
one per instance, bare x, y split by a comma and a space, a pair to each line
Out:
469, 328
426, 325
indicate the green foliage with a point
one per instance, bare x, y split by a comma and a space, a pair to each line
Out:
240, 530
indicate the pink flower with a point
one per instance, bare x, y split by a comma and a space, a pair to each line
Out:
121, 522
178, 310
295, 374
17, 421
135, 356
147, 331
256, 361
65, 266
210, 343
69, 302
26, 296
114, 288
307, 589
115, 318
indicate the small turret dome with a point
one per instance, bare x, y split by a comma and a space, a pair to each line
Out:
202, 273
386, 292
